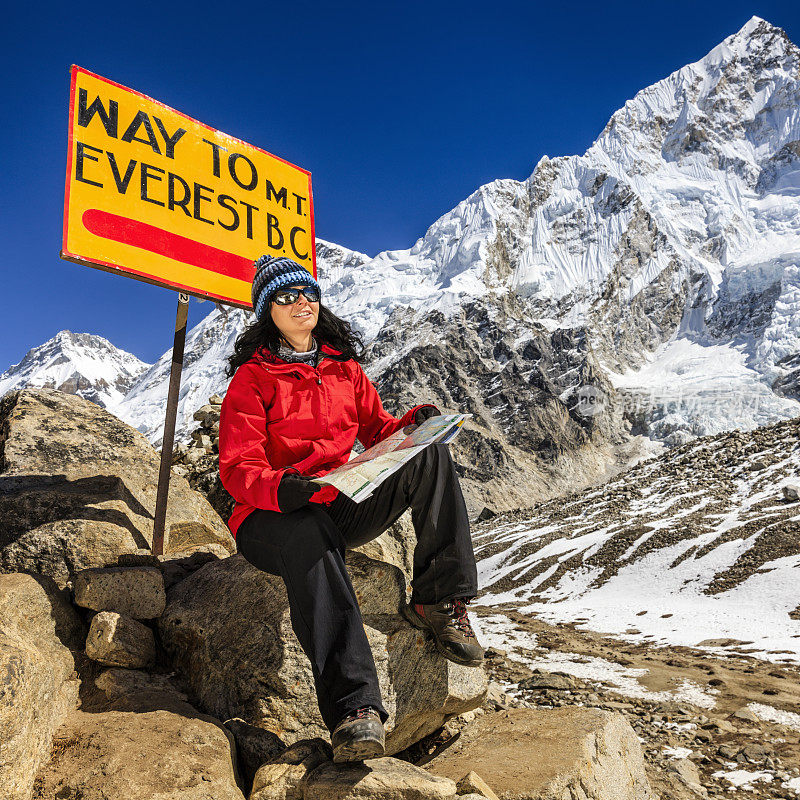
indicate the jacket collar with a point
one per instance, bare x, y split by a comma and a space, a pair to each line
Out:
264, 356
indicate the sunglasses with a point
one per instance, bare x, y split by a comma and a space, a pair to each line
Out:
285, 297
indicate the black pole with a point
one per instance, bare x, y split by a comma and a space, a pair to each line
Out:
169, 424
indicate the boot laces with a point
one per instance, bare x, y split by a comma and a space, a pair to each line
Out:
458, 614
360, 713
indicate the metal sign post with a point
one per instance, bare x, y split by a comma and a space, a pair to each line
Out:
169, 424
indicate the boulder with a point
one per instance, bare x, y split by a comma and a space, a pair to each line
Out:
472, 783
39, 632
284, 777
120, 641
227, 628
376, 779
78, 487
142, 751
119, 682
550, 754
791, 492
688, 774
136, 592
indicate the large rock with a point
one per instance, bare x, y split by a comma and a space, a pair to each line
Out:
170, 753
119, 641
39, 631
376, 779
284, 777
137, 592
227, 628
527, 754
78, 487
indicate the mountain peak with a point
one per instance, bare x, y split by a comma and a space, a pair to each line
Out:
77, 363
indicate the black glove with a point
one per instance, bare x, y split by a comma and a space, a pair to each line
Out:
294, 491
426, 412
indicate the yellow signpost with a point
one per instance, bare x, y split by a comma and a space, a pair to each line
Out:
155, 195
163, 198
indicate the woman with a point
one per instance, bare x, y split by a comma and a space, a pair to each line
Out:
295, 405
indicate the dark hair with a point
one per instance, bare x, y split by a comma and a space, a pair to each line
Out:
265, 333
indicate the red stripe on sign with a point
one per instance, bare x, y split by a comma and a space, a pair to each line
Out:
164, 243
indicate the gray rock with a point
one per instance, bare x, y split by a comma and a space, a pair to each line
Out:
791, 492
79, 488
376, 779
119, 682
472, 783
688, 774
137, 592
746, 714
39, 631
120, 641
548, 680
575, 753
254, 746
285, 776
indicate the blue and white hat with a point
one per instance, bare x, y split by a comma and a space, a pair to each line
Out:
273, 274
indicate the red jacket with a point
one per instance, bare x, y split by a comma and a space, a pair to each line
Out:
278, 414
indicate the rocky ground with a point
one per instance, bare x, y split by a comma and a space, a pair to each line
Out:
701, 719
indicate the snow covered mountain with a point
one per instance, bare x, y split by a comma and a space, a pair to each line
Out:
77, 363
671, 248
666, 259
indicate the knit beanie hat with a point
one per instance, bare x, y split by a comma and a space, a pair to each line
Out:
273, 274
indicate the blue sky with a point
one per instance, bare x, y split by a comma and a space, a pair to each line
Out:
399, 110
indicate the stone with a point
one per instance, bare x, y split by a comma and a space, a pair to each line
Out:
496, 698
548, 680
254, 747
550, 754
472, 783
170, 753
376, 779
215, 400
119, 641
137, 592
202, 413
79, 488
265, 678
729, 751
791, 492
745, 714
176, 566
756, 753
284, 777
688, 774
202, 440
119, 682
39, 634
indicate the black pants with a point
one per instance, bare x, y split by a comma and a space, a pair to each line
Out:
306, 548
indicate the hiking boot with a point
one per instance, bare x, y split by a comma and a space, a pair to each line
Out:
452, 633
358, 736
